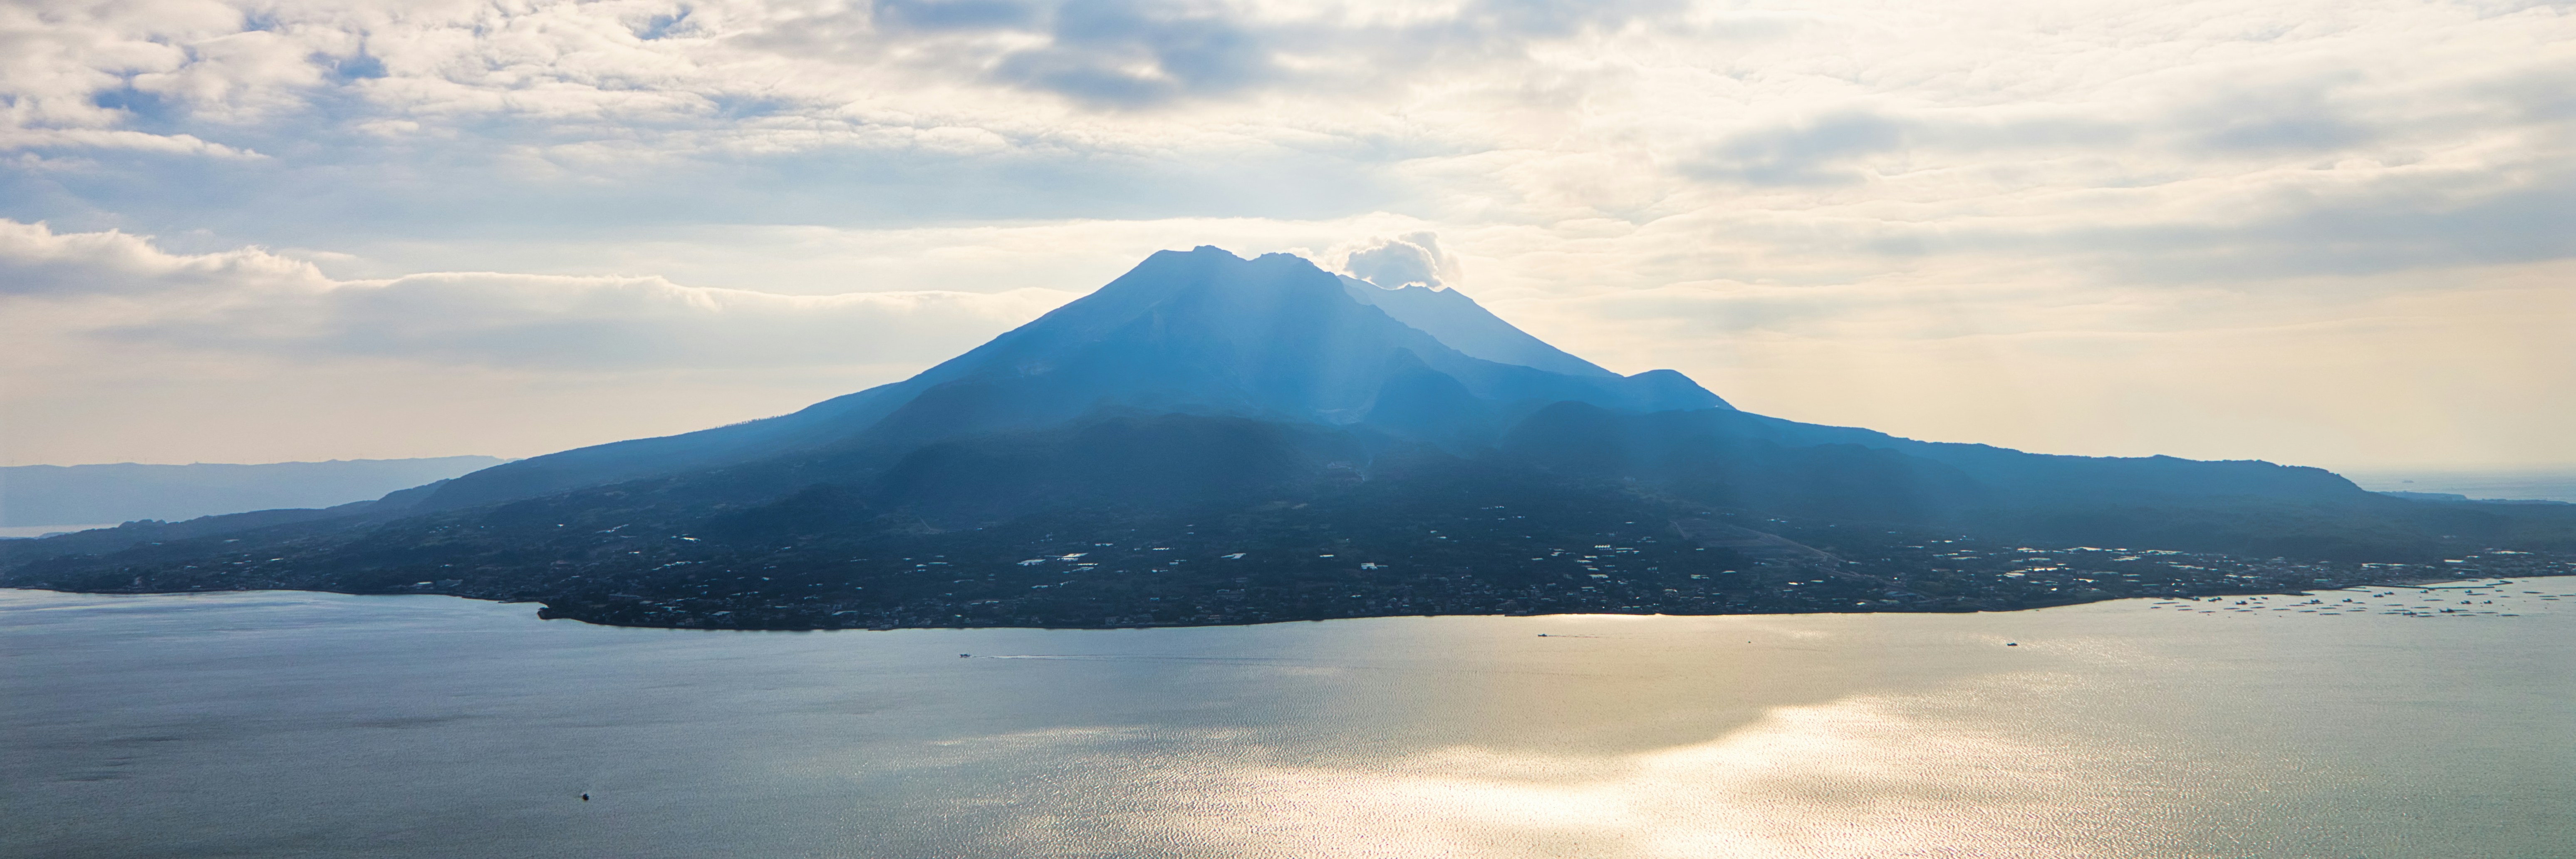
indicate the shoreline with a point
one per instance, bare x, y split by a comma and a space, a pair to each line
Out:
546, 611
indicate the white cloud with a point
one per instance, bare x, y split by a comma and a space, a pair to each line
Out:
251, 301
627, 323
103, 138
1412, 259
36, 261
103, 325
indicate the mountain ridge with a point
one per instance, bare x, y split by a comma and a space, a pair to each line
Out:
1464, 325
1032, 373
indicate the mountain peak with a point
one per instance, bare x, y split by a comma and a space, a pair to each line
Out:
1202, 332
1274, 335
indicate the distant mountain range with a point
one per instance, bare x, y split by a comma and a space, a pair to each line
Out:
38, 495
1212, 439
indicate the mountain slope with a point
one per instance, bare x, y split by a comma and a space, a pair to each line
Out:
1201, 332
1668, 443
1464, 325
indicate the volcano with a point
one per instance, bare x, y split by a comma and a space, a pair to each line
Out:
1211, 439
1273, 339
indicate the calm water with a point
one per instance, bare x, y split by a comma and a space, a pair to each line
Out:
2532, 484
290, 724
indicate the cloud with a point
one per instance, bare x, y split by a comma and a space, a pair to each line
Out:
599, 323
112, 139
1412, 259
114, 341
250, 302
619, 68
1135, 54
37, 262
1809, 153
2372, 220
638, 112
1125, 54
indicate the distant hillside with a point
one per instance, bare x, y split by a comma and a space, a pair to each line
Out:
32, 495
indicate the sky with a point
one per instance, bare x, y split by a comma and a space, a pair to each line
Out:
2327, 233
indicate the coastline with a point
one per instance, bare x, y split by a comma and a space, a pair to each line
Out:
718, 621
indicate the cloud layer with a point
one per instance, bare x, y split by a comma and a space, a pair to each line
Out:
250, 301
1803, 204
107, 324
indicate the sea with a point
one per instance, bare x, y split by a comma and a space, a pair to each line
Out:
2374, 722
2516, 485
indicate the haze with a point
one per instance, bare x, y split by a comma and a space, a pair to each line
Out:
2322, 233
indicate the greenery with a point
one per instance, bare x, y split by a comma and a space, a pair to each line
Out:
1429, 535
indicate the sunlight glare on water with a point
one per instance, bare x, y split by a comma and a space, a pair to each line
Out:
311, 724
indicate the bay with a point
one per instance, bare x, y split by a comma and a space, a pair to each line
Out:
301, 724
